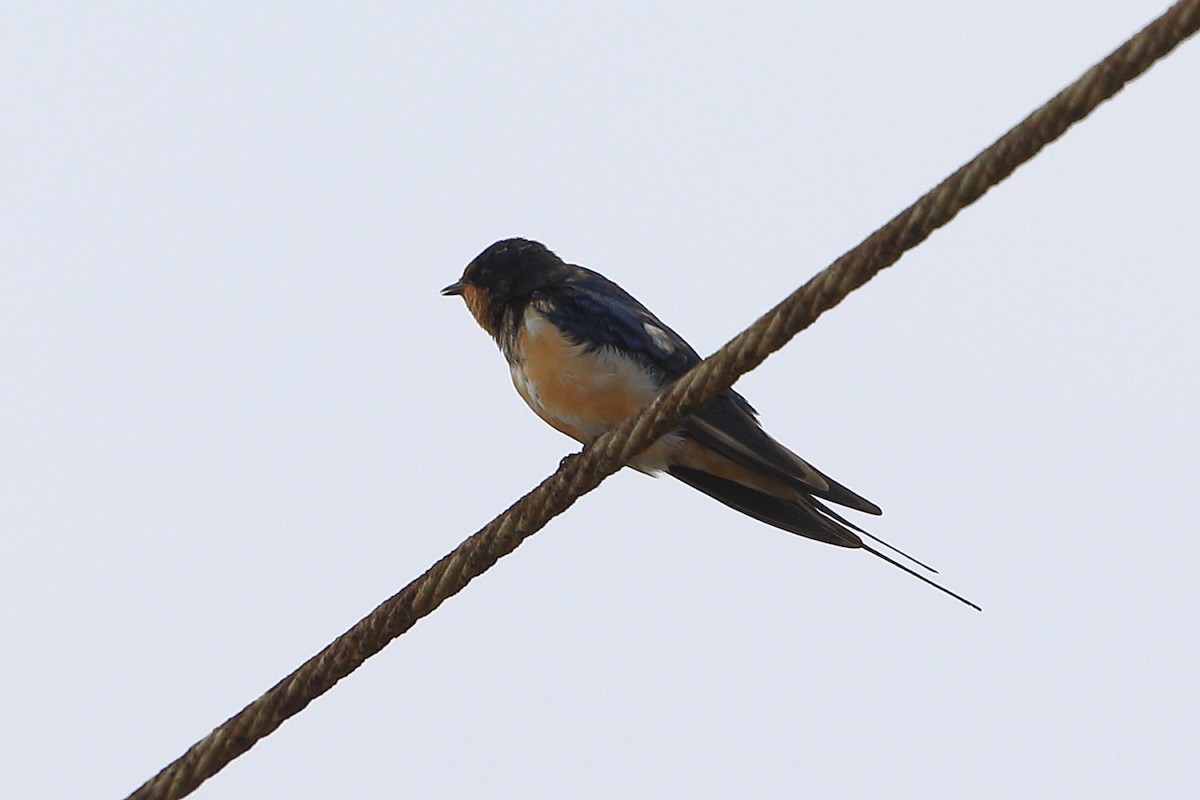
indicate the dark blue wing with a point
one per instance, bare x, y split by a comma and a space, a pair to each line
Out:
595, 311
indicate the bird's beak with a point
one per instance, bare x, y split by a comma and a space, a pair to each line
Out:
454, 288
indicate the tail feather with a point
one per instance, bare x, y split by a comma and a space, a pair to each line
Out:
827, 510
766, 508
805, 516
919, 576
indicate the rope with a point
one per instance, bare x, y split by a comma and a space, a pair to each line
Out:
584, 471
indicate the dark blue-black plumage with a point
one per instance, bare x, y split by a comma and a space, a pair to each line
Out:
596, 312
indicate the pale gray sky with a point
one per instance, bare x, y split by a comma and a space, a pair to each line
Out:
237, 414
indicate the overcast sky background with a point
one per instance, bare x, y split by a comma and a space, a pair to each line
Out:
237, 415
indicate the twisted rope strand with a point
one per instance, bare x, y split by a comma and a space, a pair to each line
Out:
581, 473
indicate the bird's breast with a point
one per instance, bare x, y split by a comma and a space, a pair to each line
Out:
580, 391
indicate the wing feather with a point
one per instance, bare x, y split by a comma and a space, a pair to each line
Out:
598, 313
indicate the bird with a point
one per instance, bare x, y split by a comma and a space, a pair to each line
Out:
585, 355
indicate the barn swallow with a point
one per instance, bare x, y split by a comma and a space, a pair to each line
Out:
585, 355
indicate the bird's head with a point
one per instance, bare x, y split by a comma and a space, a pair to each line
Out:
503, 277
